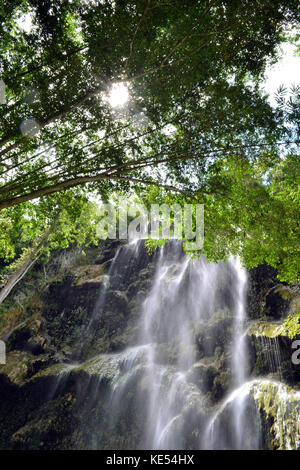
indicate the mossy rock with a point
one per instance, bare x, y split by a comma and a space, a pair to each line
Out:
221, 386
289, 328
29, 336
202, 375
291, 325
17, 366
279, 407
213, 334
52, 371
267, 329
88, 274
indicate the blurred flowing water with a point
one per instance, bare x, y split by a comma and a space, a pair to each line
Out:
180, 329
236, 424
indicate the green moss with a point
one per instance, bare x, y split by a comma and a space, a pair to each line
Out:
291, 325
53, 370
280, 405
267, 329
87, 274
16, 367
284, 292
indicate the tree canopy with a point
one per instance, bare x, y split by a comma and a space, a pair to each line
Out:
196, 127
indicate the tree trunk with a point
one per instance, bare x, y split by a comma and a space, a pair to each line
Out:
13, 279
16, 277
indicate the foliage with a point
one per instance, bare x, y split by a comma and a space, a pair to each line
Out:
196, 127
69, 218
254, 219
292, 325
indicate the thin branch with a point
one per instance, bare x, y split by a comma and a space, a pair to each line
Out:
79, 102
135, 32
39, 67
138, 164
12, 185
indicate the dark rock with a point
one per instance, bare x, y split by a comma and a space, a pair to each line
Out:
262, 298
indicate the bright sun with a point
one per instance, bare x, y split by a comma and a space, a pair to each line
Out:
118, 95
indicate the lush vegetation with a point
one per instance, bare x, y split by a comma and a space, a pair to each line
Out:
196, 127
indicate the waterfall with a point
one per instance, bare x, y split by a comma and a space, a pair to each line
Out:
169, 315
182, 380
239, 353
154, 351
192, 317
236, 423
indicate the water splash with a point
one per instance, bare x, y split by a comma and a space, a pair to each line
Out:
236, 424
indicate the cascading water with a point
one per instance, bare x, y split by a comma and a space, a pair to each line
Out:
236, 423
152, 351
162, 361
169, 316
181, 327
239, 353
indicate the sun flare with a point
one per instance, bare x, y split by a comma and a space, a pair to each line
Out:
118, 95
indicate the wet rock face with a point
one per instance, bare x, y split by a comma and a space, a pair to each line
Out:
270, 352
65, 356
274, 313
273, 356
85, 299
279, 408
262, 296
72, 309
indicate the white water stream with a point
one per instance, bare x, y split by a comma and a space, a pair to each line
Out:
188, 297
